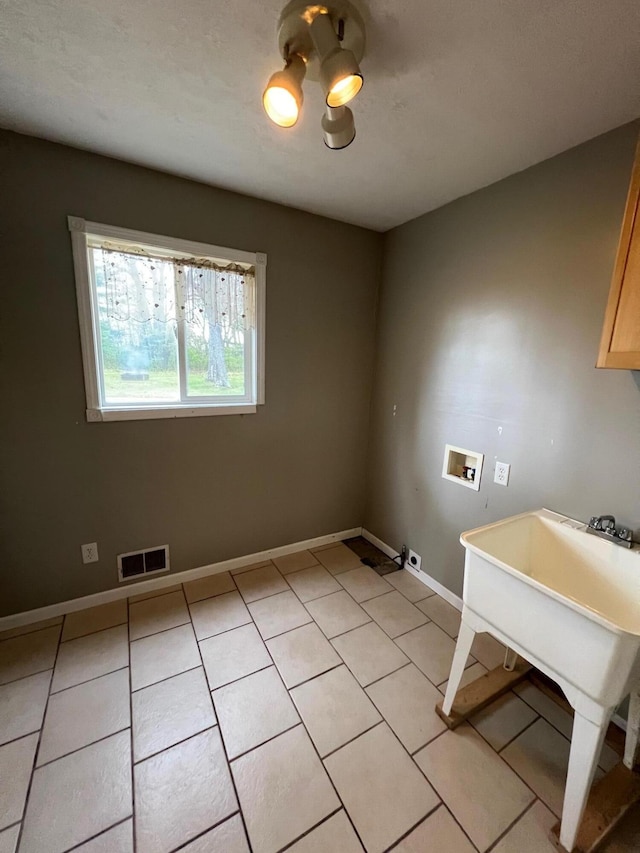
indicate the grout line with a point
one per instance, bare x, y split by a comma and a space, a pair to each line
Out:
88, 681
226, 630
415, 826
89, 633
210, 829
79, 748
132, 774
240, 677
29, 633
98, 834
268, 740
311, 678
512, 824
171, 745
25, 806
166, 678
161, 631
31, 674
515, 737
355, 737
312, 828
282, 633
224, 747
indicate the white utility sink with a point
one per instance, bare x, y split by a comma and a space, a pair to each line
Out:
569, 603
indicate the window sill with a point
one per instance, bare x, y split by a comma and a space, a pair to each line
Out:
152, 413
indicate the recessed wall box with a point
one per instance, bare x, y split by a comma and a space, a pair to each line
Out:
462, 466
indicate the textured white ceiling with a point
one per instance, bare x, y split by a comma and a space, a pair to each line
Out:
458, 93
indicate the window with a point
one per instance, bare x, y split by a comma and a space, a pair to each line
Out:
169, 328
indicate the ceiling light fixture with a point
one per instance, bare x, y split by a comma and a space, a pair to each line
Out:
340, 75
324, 43
282, 99
338, 127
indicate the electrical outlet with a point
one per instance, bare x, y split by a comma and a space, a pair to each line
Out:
90, 552
501, 476
414, 560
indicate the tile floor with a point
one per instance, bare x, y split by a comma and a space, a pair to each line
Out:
284, 706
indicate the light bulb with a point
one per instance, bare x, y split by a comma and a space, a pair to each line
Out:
282, 99
344, 90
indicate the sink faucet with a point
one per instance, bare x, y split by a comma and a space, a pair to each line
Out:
604, 526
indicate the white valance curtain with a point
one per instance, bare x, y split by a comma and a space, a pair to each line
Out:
137, 287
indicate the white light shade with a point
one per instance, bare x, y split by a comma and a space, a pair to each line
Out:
282, 99
338, 127
340, 75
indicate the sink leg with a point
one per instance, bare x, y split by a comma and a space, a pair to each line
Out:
463, 648
510, 660
633, 730
586, 743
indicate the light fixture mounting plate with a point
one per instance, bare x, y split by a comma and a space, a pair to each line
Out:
294, 36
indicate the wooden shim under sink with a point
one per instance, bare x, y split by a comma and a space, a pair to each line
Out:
482, 692
610, 799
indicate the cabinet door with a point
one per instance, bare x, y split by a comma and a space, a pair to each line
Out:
620, 344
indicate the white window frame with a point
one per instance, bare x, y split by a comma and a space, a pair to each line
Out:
97, 409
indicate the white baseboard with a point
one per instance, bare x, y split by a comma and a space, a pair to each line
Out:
425, 578
124, 590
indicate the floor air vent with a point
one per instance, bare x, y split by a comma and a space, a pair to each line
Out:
137, 563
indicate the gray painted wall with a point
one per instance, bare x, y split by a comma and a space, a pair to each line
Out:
212, 487
490, 316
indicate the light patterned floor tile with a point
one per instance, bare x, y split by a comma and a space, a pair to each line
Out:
233, 655
295, 562
162, 655
93, 619
215, 615
337, 613
152, 593
407, 701
253, 710
471, 673
335, 835
440, 833
540, 756
260, 583
503, 720
78, 796
338, 558
334, 708
363, 583
431, 650
16, 763
170, 711
283, 789
369, 653
9, 839
531, 833
302, 654
488, 650
157, 614
442, 613
28, 654
20, 630
394, 614
313, 583
459, 762
90, 657
278, 613
209, 586
22, 705
383, 791
84, 714
409, 585
181, 792
116, 840
228, 837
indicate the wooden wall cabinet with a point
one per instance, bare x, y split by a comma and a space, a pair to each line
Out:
620, 343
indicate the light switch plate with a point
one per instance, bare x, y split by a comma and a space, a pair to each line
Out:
501, 476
